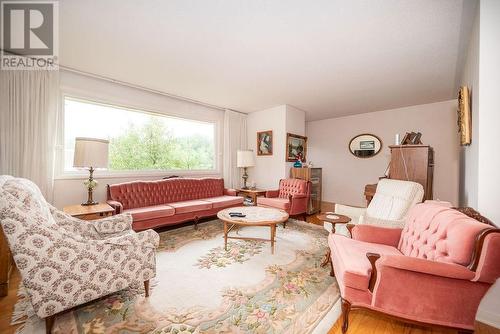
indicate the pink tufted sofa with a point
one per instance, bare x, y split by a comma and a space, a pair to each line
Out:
172, 201
434, 271
292, 196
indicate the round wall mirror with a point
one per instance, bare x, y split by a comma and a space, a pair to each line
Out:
365, 145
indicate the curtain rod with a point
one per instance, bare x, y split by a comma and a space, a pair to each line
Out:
155, 91
123, 83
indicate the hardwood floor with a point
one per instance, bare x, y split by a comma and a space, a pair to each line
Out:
360, 322
364, 322
7, 304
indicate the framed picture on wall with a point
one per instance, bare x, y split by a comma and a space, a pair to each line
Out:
265, 143
296, 147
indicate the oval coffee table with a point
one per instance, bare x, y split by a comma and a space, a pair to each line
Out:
254, 216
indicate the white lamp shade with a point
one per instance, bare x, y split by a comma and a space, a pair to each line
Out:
91, 152
245, 158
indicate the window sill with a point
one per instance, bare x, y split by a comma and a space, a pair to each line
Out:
131, 174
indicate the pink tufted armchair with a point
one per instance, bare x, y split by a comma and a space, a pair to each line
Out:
434, 271
292, 197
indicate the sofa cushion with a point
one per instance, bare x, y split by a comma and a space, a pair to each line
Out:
138, 194
223, 201
438, 233
275, 202
394, 198
151, 212
190, 206
351, 263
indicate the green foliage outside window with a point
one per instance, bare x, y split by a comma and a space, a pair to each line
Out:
152, 146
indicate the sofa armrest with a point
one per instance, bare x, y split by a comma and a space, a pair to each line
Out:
376, 234
351, 211
115, 205
423, 266
146, 238
298, 204
230, 192
397, 223
113, 224
272, 193
432, 292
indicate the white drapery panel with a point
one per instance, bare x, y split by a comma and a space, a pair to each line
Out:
235, 138
28, 118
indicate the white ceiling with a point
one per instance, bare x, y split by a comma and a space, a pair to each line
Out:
328, 57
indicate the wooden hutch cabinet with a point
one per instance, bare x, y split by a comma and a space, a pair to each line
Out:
409, 163
314, 175
413, 163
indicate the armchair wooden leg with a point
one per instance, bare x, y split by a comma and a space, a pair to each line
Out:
196, 223
146, 288
346, 307
49, 323
284, 224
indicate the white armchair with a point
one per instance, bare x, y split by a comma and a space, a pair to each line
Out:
64, 261
388, 208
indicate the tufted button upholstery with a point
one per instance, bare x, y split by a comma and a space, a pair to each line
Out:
439, 233
139, 194
292, 187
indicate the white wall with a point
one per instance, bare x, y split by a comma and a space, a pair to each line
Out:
469, 154
345, 176
270, 169
480, 163
489, 109
69, 189
296, 124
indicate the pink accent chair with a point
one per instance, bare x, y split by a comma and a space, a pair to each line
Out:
434, 271
292, 197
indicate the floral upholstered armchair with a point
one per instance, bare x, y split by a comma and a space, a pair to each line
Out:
65, 262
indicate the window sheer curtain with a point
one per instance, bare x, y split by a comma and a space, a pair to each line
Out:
235, 138
28, 118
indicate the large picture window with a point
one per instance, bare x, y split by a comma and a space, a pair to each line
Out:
139, 140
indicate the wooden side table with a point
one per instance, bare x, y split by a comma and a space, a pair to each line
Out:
334, 219
252, 193
89, 212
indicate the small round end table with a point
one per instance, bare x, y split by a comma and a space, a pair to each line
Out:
334, 219
328, 217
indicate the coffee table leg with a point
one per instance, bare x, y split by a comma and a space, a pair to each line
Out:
273, 234
225, 236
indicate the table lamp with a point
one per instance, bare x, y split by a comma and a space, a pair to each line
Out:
244, 159
90, 153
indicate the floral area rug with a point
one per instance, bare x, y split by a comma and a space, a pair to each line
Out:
202, 288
